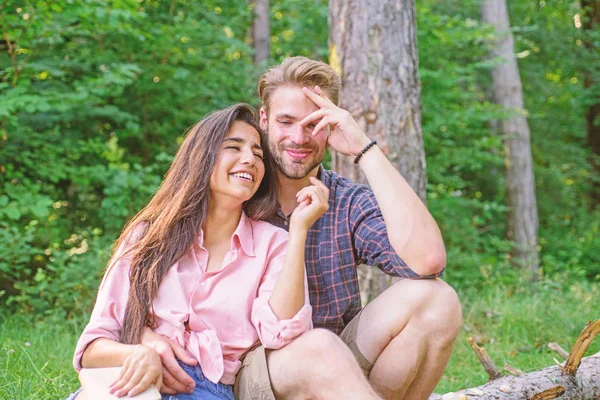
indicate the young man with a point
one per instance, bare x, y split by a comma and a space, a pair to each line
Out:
398, 345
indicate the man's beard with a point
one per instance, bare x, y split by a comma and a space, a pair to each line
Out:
295, 169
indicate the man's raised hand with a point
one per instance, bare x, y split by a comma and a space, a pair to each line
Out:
346, 136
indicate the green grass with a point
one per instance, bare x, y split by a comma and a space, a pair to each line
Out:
35, 359
513, 324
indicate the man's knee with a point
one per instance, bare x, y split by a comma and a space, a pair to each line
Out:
438, 306
320, 345
431, 303
318, 357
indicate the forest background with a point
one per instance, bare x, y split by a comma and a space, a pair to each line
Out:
95, 96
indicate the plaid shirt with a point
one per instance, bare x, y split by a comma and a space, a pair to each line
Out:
350, 233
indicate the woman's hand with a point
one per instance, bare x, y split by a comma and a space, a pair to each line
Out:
313, 202
141, 369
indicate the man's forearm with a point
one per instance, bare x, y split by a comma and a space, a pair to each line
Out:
412, 231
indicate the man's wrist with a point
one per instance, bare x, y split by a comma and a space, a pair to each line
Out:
364, 150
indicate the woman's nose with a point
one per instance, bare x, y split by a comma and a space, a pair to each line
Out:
248, 157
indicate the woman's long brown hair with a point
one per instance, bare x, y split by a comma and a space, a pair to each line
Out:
166, 228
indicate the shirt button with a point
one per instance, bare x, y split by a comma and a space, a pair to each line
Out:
203, 284
285, 222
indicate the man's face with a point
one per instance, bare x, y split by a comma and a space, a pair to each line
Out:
296, 152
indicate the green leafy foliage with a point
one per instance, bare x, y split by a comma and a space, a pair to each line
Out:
465, 157
95, 96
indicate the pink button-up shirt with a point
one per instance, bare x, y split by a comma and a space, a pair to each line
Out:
228, 310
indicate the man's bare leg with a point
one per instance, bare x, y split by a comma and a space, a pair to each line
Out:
317, 365
408, 332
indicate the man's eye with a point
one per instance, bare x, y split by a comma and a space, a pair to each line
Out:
311, 126
285, 122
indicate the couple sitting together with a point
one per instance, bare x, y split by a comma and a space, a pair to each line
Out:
239, 278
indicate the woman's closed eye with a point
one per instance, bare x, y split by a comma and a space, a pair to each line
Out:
237, 148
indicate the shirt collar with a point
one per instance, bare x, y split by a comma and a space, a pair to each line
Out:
244, 235
324, 176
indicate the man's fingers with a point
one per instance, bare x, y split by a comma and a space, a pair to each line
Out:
182, 354
178, 373
321, 125
172, 385
313, 116
178, 378
315, 98
320, 91
168, 360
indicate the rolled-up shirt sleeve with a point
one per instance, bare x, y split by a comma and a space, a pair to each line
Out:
371, 242
107, 317
275, 333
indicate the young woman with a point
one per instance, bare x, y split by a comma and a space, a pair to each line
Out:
198, 265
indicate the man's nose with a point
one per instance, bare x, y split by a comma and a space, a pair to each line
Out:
300, 134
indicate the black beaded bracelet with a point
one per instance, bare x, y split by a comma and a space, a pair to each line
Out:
363, 151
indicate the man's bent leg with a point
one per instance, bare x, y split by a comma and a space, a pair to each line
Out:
317, 365
408, 332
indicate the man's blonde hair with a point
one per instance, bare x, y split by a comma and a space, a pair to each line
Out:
299, 71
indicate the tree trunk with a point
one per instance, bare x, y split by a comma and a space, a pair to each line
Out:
522, 219
373, 46
261, 32
591, 22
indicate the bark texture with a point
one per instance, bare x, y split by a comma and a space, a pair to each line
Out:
522, 219
577, 379
373, 47
591, 22
261, 32
584, 385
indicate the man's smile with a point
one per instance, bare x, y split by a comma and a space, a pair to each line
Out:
298, 154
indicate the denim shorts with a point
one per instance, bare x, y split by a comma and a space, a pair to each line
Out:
205, 389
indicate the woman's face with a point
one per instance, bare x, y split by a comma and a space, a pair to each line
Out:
239, 169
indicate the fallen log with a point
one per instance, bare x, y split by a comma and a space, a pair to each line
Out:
577, 379
585, 385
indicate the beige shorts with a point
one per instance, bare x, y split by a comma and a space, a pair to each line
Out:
253, 382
